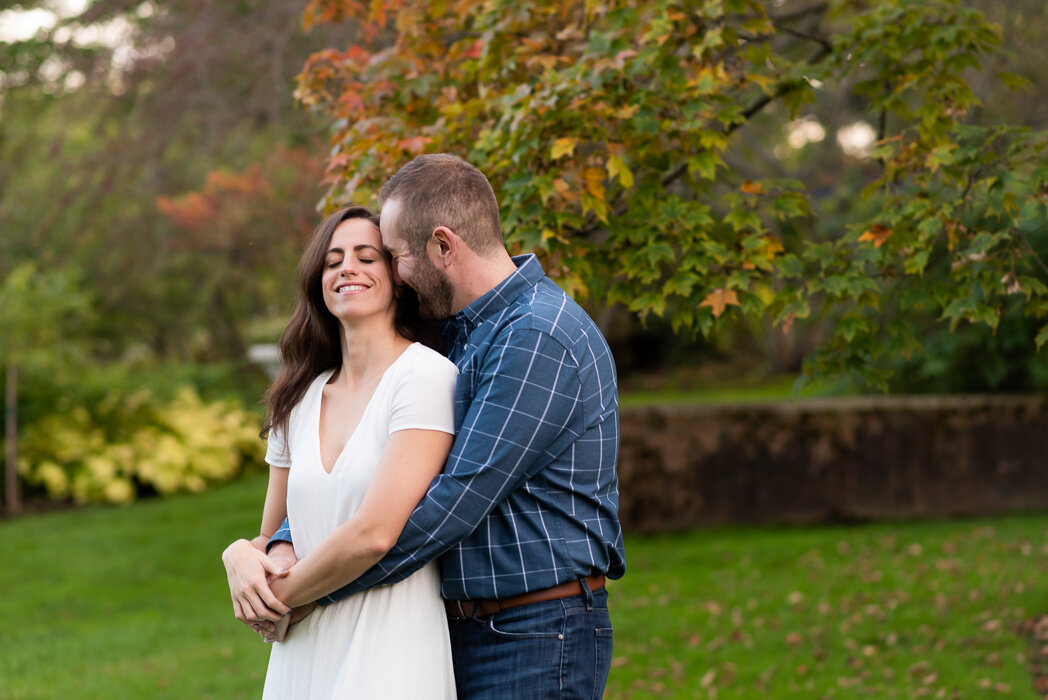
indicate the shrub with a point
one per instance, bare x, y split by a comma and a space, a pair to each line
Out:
134, 444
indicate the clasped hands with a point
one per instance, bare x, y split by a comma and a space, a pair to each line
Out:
249, 571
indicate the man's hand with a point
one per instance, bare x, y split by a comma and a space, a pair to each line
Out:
282, 554
277, 632
249, 572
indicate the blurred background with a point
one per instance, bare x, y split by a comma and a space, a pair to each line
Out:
158, 179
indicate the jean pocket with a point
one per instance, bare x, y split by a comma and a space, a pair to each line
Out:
521, 623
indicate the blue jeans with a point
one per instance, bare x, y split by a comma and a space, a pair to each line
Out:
557, 649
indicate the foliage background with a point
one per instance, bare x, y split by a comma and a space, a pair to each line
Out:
683, 168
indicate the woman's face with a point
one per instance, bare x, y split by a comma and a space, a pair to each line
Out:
357, 280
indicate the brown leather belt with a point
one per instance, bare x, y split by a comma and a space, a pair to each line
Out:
465, 609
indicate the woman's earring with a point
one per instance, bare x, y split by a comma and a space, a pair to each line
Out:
398, 291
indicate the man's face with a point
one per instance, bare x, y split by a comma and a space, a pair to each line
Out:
418, 272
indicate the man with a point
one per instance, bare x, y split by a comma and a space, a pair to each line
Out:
525, 516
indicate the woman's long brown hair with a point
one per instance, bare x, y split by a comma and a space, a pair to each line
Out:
310, 344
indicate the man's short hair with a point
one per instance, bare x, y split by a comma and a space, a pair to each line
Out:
441, 189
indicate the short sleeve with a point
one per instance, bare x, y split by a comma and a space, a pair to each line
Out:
424, 394
277, 454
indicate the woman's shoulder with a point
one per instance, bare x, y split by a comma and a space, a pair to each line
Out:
419, 357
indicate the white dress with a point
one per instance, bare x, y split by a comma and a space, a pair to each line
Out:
388, 642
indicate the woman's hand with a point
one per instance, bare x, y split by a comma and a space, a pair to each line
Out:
248, 571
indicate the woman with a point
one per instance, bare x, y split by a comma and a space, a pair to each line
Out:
360, 422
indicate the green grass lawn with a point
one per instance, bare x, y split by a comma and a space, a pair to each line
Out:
132, 603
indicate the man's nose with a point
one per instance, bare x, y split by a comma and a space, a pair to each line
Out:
397, 279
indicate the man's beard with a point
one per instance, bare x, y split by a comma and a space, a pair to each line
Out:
433, 290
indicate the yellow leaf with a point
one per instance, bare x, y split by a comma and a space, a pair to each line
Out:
563, 147
594, 178
617, 168
719, 299
627, 112
377, 13
772, 246
766, 83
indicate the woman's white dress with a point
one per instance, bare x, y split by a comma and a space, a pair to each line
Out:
388, 642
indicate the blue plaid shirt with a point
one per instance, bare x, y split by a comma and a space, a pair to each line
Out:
528, 498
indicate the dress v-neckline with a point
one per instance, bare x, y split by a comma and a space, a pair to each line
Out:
360, 421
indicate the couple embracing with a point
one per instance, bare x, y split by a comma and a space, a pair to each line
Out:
435, 526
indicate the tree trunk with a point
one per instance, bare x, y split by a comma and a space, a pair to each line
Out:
11, 500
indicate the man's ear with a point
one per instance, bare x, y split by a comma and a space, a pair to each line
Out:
444, 244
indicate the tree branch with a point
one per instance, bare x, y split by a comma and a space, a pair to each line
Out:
1030, 249
822, 41
801, 13
673, 175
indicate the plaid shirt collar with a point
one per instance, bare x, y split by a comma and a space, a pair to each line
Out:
527, 275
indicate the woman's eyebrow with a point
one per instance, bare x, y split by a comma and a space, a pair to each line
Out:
356, 249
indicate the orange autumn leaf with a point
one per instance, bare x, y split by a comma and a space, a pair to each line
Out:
414, 145
878, 233
751, 187
474, 51
720, 299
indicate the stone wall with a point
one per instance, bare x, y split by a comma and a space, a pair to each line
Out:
831, 460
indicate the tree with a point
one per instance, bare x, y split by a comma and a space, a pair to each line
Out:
238, 225
41, 318
608, 128
123, 104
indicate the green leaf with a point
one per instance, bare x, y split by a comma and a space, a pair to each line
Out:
789, 266
1042, 337
651, 302
743, 219
940, 155
915, 264
851, 325
705, 165
1014, 81
617, 167
657, 252
790, 205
